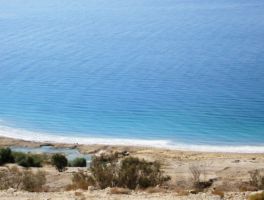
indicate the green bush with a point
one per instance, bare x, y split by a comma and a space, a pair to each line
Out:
28, 160
6, 156
59, 161
78, 162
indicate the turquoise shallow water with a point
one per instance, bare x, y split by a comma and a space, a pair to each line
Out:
71, 154
184, 71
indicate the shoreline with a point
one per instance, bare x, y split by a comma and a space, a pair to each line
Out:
142, 151
38, 137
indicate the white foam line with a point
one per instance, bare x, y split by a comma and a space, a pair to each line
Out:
16, 133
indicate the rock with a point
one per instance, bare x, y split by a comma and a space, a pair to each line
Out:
107, 190
11, 190
79, 190
91, 188
101, 152
125, 153
193, 192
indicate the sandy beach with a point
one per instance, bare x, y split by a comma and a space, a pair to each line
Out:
228, 170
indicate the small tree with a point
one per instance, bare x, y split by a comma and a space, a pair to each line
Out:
78, 162
59, 161
6, 156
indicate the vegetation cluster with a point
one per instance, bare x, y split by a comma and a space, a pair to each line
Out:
129, 172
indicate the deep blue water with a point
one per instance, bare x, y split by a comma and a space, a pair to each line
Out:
181, 70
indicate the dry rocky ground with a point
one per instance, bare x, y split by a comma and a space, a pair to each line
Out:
104, 194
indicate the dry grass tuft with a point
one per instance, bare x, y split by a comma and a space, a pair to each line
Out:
22, 179
256, 179
183, 193
219, 193
228, 186
10, 177
256, 196
246, 186
255, 183
33, 182
152, 190
200, 171
80, 180
80, 195
117, 190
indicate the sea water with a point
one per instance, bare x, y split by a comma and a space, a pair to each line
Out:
178, 73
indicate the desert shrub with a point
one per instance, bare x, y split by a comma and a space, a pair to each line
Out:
256, 179
78, 162
130, 173
81, 180
256, 182
104, 170
202, 185
33, 182
59, 161
22, 179
196, 172
28, 160
256, 196
18, 156
107, 171
134, 173
6, 156
10, 178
